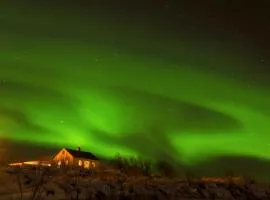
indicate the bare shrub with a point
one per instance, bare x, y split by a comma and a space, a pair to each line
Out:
165, 168
132, 166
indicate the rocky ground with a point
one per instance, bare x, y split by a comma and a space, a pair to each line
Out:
71, 184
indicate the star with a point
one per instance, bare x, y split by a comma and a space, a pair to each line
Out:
3, 81
115, 54
194, 28
166, 6
262, 60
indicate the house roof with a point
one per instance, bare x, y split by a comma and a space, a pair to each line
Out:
82, 154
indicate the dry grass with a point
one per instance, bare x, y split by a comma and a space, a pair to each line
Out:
124, 180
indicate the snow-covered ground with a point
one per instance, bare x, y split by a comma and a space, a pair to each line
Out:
118, 186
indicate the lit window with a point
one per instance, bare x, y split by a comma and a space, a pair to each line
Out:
80, 163
86, 164
93, 164
66, 162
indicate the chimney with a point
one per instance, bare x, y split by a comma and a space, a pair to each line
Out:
78, 148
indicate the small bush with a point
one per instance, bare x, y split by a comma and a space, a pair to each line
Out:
132, 166
165, 168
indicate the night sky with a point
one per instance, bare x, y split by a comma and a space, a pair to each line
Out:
188, 82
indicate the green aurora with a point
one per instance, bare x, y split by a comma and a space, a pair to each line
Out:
69, 81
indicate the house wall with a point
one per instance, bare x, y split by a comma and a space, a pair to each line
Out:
64, 156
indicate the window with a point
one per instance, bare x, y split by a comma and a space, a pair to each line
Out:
66, 162
80, 163
86, 164
93, 164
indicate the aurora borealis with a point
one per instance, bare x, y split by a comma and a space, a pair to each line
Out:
111, 82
